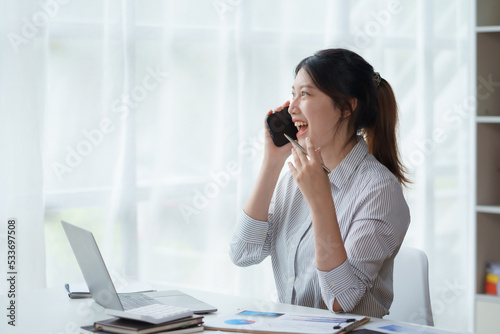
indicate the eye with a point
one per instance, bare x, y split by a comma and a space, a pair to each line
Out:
304, 93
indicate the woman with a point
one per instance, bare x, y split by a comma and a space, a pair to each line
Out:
332, 237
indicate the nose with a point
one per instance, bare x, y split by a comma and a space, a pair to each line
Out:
293, 107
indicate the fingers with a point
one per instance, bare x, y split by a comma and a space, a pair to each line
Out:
284, 105
313, 153
297, 158
292, 169
318, 153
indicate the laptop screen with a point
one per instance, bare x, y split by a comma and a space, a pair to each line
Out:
92, 266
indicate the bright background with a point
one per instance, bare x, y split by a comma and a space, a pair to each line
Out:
143, 122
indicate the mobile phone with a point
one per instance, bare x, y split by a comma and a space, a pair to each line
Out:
280, 123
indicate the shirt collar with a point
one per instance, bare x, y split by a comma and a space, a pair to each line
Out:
348, 165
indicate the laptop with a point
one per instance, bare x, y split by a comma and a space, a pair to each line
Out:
101, 286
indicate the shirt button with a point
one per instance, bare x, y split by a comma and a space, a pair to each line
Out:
262, 232
290, 279
293, 246
331, 283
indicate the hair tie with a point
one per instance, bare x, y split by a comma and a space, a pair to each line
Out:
376, 78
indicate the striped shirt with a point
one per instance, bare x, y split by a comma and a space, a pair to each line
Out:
373, 218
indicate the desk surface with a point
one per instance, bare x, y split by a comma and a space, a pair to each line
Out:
50, 311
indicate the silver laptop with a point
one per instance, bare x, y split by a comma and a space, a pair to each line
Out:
101, 286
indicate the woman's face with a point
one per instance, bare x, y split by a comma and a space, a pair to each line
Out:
312, 111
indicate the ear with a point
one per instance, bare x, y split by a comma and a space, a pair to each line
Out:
354, 103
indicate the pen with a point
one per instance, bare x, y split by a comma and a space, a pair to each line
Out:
354, 325
294, 143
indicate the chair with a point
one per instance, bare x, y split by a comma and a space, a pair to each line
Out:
412, 302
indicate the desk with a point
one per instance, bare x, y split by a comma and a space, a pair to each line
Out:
50, 311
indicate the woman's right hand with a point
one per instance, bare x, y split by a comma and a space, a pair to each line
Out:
273, 153
257, 205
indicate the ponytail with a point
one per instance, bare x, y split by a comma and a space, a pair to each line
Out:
381, 136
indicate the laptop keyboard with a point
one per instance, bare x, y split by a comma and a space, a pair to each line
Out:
136, 300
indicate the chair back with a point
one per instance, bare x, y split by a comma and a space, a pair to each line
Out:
412, 302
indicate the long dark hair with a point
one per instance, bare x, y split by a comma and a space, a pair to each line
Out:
344, 75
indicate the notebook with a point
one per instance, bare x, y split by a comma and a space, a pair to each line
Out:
101, 286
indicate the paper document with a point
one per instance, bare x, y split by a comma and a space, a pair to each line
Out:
392, 327
266, 322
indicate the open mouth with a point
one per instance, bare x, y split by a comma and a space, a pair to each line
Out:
302, 127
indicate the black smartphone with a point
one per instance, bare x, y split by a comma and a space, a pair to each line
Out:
280, 123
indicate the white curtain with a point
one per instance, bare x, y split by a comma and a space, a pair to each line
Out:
143, 121
22, 105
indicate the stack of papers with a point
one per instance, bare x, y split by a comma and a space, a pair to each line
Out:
125, 326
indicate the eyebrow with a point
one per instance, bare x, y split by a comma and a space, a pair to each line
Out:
306, 86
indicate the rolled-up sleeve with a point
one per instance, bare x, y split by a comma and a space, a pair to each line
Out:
251, 241
377, 231
341, 283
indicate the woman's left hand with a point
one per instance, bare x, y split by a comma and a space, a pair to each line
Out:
309, 174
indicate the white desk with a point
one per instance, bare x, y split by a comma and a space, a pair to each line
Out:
50, 311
